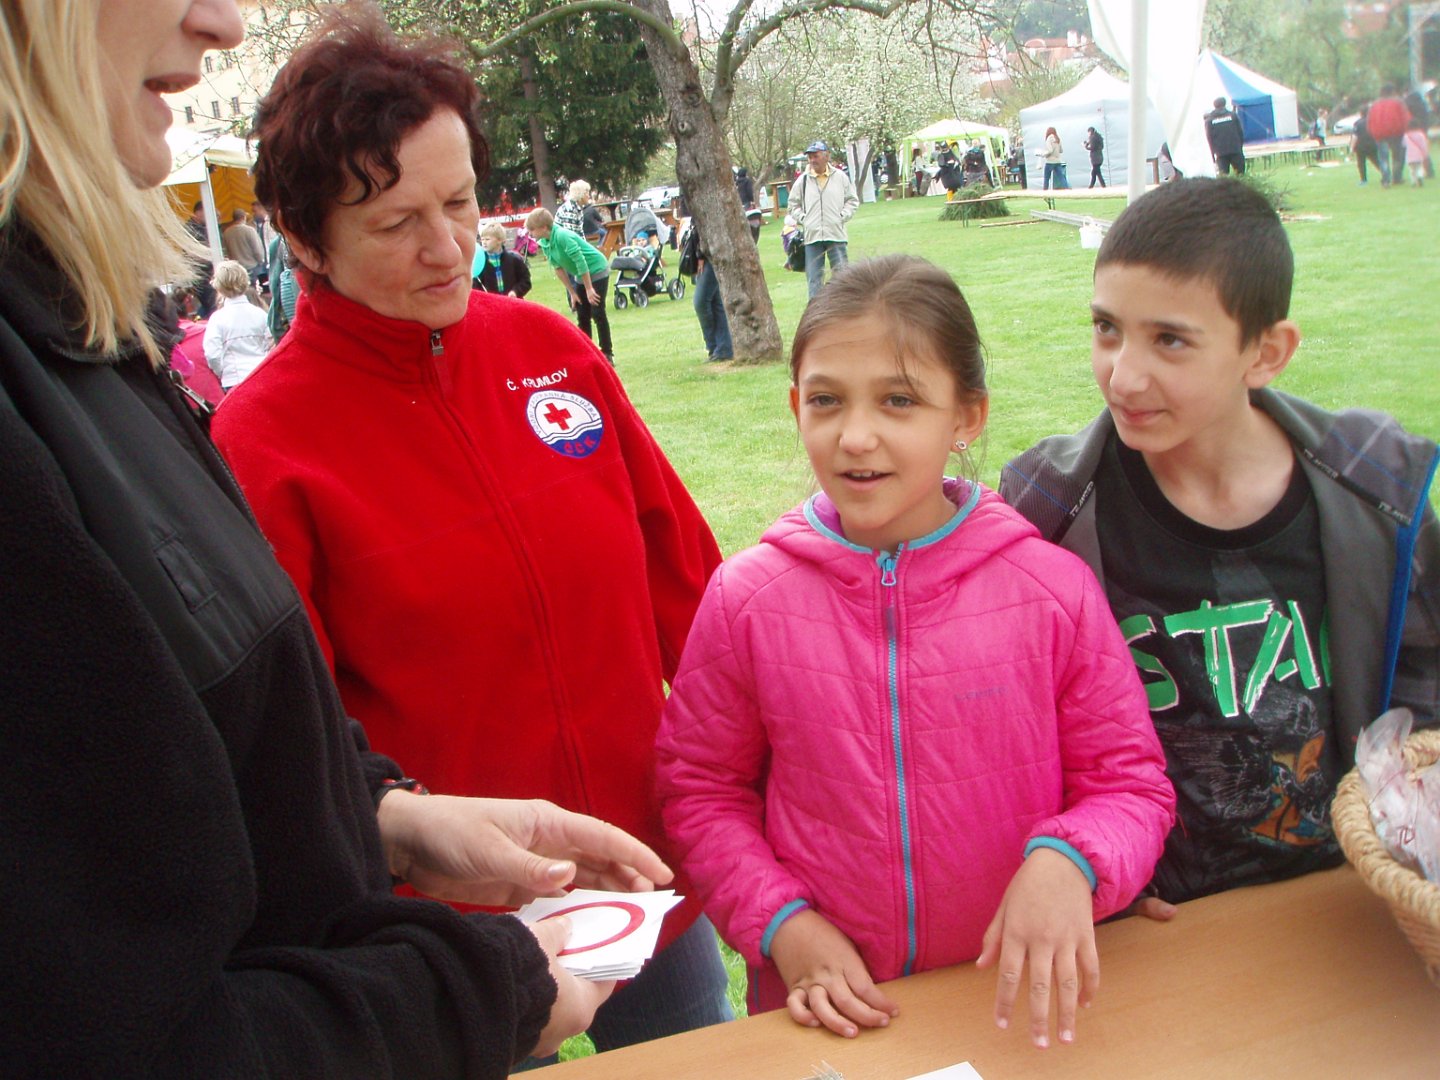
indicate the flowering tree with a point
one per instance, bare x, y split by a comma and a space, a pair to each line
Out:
697, 108
881, 80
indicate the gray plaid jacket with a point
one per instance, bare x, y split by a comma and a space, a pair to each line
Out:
1371, 480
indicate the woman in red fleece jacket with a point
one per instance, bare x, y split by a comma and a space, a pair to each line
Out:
500, 563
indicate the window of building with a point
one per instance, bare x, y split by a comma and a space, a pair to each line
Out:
189, 114
209, 63
227, 60
234, 106
215, 109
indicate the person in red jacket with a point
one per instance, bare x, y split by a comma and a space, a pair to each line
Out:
1387, 120
500, 563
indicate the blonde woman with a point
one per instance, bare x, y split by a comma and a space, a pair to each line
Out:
200, 844
570, 213
237, 336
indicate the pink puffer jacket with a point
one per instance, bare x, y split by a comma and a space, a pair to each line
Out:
880, 738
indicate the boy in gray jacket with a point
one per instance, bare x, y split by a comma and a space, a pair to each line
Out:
1274, 567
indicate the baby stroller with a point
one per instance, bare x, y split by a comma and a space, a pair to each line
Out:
641, 275
639, 271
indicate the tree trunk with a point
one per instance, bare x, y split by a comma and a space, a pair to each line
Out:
539, 151
702, 165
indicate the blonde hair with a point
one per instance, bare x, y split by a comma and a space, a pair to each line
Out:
578, 189
495, 231
61, 178
231, 279
538, 216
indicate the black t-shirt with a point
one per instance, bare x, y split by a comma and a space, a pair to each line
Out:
1230, 633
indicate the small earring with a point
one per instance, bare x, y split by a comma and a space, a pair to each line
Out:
960, 445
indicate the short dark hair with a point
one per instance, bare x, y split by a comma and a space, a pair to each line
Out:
1221, 231
1219, 103
339, 109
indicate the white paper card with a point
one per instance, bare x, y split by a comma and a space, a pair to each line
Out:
612, 934
963, 1071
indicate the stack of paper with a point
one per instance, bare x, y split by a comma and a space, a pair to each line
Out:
612, 934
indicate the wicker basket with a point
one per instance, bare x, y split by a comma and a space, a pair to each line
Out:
1413, 901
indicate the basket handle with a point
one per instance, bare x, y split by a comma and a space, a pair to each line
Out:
1405, 540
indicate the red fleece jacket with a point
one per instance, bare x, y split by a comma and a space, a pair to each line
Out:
499, 561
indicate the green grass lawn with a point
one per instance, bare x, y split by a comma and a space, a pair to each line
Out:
1366, 300
1367, 278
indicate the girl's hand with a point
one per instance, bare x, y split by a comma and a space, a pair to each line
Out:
828, 981
1045, 921
574, 299
592, 295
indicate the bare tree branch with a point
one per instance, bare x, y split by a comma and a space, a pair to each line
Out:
662, 27
796, 8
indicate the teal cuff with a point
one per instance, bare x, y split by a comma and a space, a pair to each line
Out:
780, 916
1056, 844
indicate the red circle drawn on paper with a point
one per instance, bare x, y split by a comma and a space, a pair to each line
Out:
634, 911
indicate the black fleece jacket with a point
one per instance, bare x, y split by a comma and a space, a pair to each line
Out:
193, 882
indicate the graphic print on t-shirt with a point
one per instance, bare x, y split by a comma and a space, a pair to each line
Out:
1230, 636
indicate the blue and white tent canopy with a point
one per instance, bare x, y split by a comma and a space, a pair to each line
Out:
1266, 109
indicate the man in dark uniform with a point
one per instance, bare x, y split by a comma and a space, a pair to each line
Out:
1226, 138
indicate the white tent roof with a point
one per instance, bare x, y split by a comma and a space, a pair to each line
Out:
191, 150
1099, 85
1101, 101
955, 128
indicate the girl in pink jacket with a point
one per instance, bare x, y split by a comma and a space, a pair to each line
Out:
905, 731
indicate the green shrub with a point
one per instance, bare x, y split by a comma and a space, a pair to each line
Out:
1278, 195
967, 205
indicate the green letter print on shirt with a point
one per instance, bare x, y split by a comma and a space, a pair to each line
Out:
1312, 665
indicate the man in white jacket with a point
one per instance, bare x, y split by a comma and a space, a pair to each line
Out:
822, 200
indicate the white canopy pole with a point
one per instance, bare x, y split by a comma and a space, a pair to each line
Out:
212, 219
1139, 61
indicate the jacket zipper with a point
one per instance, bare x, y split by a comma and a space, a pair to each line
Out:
443, 388
889, 565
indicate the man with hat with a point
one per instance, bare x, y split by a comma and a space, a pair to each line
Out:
822, 200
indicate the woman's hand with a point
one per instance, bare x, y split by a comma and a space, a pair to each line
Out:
829, 983
1045, 922
592, 295
507, 851
575, 999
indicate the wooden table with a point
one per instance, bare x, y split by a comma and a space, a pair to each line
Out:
1307, 978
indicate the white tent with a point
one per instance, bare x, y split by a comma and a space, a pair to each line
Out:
1101, 101
194, 157
191, 151
957, 129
